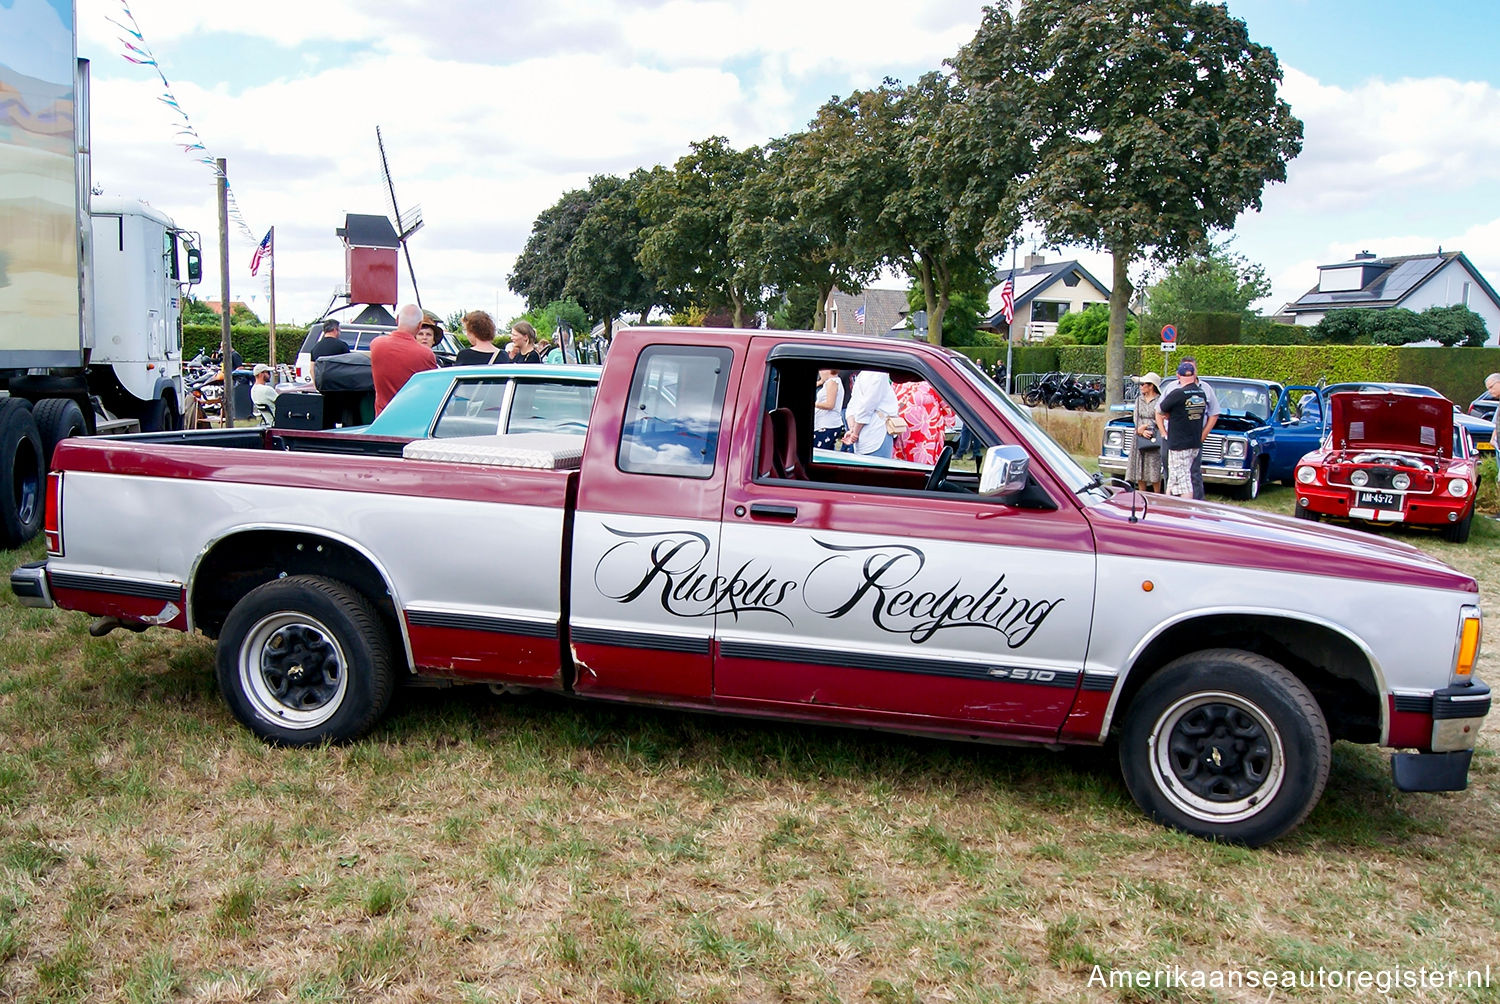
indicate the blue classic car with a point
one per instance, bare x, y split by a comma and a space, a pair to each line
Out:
1259, 436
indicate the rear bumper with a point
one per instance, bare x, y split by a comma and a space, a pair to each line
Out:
29, 584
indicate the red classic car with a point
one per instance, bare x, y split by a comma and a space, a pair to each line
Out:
1391, 458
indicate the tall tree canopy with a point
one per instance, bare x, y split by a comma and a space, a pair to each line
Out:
603, 270
690, 213
1158, 124
541, 271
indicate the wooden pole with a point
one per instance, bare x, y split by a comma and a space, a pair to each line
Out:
272, 325
226, 409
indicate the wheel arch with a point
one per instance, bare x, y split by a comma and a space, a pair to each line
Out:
1323, 655
231, 565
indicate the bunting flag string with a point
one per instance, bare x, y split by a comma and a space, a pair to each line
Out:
139, 52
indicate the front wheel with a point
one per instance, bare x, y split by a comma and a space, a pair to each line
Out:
1302, 512
305, 660
1228, 745
1458, 533
1250, 490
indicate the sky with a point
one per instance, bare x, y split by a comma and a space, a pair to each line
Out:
492, 109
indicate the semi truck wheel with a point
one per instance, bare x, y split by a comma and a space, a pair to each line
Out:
58, 418
305, 660
22, 474
1228, 745
161, 415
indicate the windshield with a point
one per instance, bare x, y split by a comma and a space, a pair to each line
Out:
1061, 462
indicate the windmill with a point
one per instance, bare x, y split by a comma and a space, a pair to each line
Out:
407, 223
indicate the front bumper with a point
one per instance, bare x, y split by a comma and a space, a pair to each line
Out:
1457, 714
29, 584
1213, 474
1417, 510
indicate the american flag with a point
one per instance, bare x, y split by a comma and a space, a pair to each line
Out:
1008, 300
859, 315
262, 250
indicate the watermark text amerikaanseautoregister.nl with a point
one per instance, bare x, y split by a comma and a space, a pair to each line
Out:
1382, 981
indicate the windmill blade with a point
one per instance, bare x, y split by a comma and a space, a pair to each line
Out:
403, 230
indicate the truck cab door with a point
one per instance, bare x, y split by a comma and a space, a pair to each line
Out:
862, 593
645, 582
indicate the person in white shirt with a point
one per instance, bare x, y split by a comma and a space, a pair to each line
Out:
828, 411
871, 401
263, 396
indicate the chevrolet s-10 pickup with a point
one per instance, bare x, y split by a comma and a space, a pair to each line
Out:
691, 549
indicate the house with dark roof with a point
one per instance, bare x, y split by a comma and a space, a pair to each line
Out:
867, 312
1414, 281
1043, 294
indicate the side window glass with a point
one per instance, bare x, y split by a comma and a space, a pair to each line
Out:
674, 411
551, 407
473, 409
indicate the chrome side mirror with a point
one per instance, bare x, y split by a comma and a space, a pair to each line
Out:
1003, 471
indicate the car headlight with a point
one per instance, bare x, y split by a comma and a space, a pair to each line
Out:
1114, 439
1235, 448
1307, 475
1359, 479
1401, 482
1458, 488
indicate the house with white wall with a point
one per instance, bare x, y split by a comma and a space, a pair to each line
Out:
867, 312
1043, 295
1416, 282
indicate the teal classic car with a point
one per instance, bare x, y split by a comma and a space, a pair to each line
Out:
488, 400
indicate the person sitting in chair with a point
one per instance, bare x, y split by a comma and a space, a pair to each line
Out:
263, 396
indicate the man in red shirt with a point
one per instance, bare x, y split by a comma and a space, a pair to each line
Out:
396, 356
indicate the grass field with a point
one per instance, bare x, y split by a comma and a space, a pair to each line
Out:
485, 849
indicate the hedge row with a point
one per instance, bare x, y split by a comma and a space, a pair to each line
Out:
1457, 373
251, 342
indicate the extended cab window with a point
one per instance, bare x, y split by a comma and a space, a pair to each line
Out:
673, 414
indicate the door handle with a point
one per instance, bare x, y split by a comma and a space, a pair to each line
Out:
773, 510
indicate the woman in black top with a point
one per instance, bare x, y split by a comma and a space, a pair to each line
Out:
523, 336
482, 350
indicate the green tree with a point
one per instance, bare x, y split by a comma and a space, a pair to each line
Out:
1349, 326
686, 247
800, 310
1216, 280
545, 319
1456, 325
1159, 124
915, 159
241, 314
540, 274
1090, 327
455, 321
195, 311
604, 270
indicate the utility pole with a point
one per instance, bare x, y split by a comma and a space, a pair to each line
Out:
271, 335
226, 408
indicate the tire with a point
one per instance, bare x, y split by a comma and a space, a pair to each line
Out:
1032, 397
1302, 512
58, 418
1227, 745
161, 415
22, 475
1458, 533
264, 650
1250, 490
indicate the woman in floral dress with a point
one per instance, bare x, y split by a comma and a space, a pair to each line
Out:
927, 420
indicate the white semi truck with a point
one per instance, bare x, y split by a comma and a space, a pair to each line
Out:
90, 289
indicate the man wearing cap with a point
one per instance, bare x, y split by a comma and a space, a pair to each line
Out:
1209, 421
263, 395
1180, 416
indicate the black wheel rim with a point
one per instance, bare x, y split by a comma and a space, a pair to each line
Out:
1218, 756
293, 670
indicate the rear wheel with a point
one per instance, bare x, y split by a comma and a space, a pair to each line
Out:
58, 418
22, 471
1228, 745
305, 660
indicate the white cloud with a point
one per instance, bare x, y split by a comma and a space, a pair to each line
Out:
1405, 137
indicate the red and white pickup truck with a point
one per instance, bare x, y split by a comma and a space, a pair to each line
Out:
692, 551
